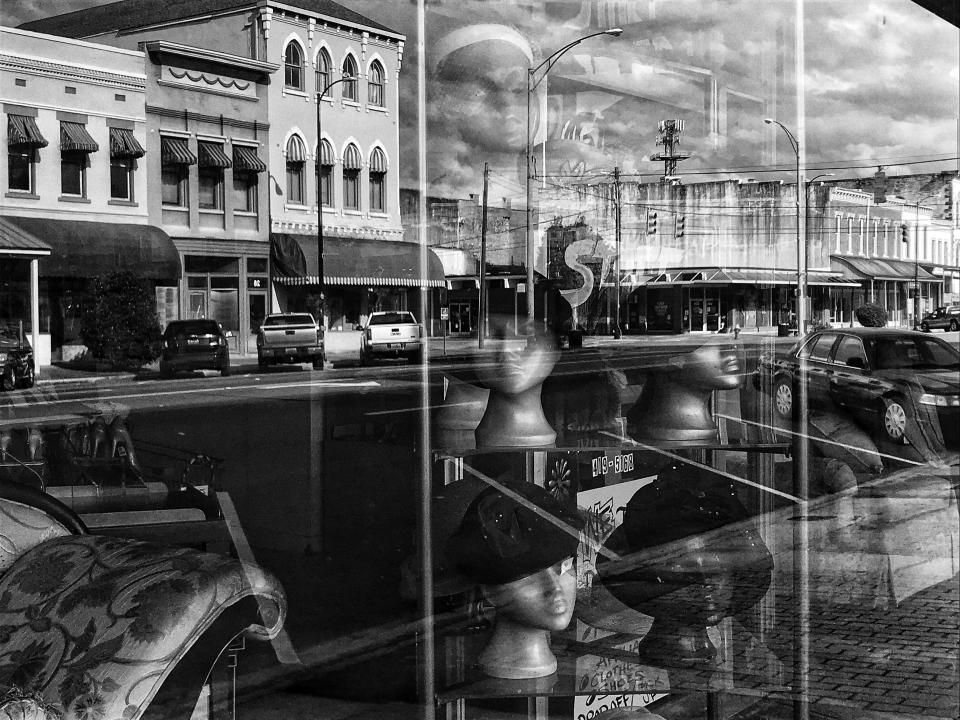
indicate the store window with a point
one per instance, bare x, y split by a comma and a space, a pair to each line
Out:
378, 181
24, 140
349, 70
351, 177
293, 66
76, 145
296, 159
175, 161
247, 167
323, 71
325, 173
375, 94
125, 149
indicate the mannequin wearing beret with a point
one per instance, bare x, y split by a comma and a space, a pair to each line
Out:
518, 546
674, 406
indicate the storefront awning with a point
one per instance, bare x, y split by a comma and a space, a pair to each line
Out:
724, 276
352, 262
124, 145
74, 137
212, 155
821, 278
23, 130
246, 158
873, 269
15, 241
176, 151
85, 249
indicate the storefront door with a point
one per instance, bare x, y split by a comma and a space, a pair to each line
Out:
257, 302
696, 312
461, 319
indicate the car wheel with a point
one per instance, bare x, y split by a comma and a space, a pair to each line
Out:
165, 370
925, 327
225, 366
28, 378
7, 381
318, 364
894, 419
783, 397
954, 326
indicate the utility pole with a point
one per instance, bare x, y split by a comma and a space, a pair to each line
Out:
616, 269
482, 304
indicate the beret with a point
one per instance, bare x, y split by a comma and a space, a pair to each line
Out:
501, 539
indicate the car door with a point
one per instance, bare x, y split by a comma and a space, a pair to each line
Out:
819, 368
851, 384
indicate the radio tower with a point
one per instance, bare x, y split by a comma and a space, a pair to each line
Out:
669, 137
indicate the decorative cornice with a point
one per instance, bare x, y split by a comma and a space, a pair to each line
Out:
188, 51
341, 231
72, 72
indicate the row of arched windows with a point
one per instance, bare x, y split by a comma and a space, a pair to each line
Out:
294, 75
352, 164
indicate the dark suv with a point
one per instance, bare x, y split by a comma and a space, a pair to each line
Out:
945, 318
195, 345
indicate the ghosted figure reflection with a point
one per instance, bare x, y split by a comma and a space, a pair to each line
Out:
690, 556
518, 542
674, 405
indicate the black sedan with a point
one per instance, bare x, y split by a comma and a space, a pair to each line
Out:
884, 377
16, 358
195, 345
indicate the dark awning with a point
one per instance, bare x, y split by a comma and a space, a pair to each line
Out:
175, 151
23, 130
85, 249
872, 269
74, 136
124, 145
246, 158
15, 241
352, 262
212, 155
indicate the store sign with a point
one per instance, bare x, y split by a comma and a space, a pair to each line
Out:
256, 283
444, 313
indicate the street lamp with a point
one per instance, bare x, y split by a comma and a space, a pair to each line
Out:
320, 95
531, 87
806, 227
801, 256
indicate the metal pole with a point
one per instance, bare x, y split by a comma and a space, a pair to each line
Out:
482, 303
528, 239
616, 317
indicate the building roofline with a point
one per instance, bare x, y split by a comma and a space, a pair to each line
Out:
378, 30
72, 41
190, 51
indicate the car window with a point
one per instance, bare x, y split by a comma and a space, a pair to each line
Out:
850, 347
302, 319
934, 354
820, 348
392, 318
193, 326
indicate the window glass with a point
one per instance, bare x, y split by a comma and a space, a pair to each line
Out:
349, 71
323, 71
245, 191
173, 182
822, 346
375, 85
20, 168
73, 170
850, 348
293, 67
351, 189
210, 188
121, 178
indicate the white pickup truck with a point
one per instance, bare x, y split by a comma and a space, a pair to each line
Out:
393, 333
290, 338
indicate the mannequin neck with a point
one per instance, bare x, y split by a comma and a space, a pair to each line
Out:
517, 651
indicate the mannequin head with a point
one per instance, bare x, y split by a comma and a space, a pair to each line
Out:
521, 361
713, 365
542, 600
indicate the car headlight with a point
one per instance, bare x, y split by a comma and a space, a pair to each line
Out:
3, 358
940, 400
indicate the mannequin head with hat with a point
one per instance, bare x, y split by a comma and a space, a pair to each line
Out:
517, 541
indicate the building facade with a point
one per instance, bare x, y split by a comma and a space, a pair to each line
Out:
75, 176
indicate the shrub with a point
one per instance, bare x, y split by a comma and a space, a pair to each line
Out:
119, 322
871, 315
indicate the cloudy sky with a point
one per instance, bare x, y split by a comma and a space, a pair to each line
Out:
880, 86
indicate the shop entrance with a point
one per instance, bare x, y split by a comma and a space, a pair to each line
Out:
213, 291
257, 302
703, 310
461, 318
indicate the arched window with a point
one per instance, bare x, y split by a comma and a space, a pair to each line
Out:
293, 66
325, 173
375, 84
351, 177
350, 71
378, 181
296, 158
323, 70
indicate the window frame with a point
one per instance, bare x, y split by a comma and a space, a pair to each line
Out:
293, 72
128, 166
80, 160
376, 85
351, 189
348, 89
30, 153
322, 77
249, 192
182, 173
210, 178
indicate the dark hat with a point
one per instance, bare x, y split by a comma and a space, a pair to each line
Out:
502, 539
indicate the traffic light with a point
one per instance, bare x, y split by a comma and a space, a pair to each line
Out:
904, 234
651, 223
678, 230
948, 204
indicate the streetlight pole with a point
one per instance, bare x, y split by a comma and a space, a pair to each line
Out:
806, 227
801, 254
322, 319
531, 87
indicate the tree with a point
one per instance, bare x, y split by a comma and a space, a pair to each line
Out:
119, 322
871, 315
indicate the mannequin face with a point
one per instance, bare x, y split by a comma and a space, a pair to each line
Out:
713, 366
518, 364
543, 600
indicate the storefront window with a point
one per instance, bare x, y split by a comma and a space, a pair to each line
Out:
73, 173
20, 164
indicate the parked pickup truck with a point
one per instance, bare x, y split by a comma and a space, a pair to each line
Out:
391, 334
290, 338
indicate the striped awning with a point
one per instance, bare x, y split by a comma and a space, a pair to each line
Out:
351, 158
295, 150
378, 162
212, 155
326, 153
371, 263
23, 130
74, 137
246, 158
175, 151
124, 145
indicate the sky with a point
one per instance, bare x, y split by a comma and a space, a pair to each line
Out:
881, 87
